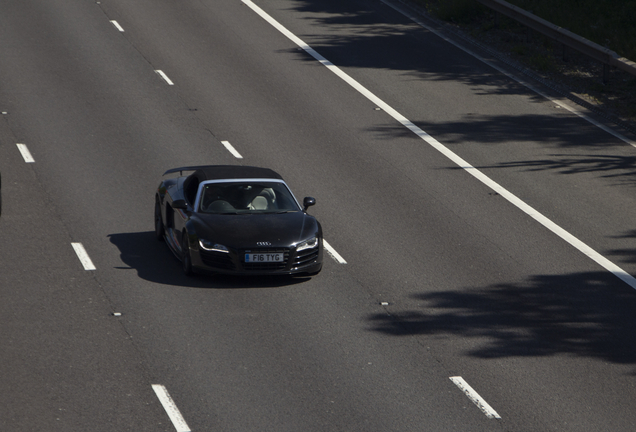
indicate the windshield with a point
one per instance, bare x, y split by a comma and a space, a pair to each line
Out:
245, 197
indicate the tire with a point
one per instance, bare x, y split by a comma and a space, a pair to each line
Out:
186, 259
159, 228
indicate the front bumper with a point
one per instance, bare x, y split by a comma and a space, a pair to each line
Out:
307, 261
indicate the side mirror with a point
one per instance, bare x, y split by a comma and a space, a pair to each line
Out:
308, 202
179, 205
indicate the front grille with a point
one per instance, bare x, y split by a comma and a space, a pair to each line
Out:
266, 266
306, 257
217, 260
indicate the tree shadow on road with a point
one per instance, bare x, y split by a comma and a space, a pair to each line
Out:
351, 34
512, 133
153, 261
562, 132
628, 255
621, 169
584, 314
356, 35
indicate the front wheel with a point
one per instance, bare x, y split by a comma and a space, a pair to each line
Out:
186, 259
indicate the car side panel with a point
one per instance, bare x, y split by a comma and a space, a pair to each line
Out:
171, 190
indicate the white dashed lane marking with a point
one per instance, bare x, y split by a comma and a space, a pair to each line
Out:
331, 251
117, 26
231, 149
474, 397
164, 76
83, 256
171, 408
26, 154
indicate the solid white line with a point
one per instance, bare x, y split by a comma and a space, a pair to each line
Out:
83, 256
562, 104
335, 255
26, 154
231, 149
164, 76
171, 408
474, 396
117, 26
578, 244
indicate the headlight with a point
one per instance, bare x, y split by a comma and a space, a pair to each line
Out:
307, 244
214, 247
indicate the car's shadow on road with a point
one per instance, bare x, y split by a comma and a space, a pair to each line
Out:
154, 262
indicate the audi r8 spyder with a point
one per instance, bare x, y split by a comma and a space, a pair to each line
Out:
227, 219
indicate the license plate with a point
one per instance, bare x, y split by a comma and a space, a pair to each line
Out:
264, 257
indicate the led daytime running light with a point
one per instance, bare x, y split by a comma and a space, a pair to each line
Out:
307, 244
207, 245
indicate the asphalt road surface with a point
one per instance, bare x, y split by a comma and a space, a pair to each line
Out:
485, 232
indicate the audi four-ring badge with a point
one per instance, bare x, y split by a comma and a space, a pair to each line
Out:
227, 219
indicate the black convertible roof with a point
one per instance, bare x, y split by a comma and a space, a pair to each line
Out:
218, 172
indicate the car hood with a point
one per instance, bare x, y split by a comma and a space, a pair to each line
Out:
245, 230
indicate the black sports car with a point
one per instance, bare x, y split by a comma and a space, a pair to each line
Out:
237, 220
